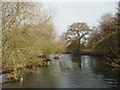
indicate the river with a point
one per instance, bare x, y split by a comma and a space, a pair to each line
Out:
71, 72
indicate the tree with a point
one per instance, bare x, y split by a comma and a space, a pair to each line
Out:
77, 32
24, 26
107, 40
106, 28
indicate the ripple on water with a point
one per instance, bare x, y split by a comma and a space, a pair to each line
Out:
67, 73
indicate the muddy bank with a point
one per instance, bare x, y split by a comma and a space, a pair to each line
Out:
9, 75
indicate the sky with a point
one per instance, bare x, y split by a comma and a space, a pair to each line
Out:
88, 11
70, 11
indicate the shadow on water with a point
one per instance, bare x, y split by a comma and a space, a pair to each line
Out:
71, 71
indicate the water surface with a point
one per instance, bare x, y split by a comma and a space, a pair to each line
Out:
71, 72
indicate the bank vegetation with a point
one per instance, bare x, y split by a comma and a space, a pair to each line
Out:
27, 31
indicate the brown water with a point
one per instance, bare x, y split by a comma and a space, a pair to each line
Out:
71, 72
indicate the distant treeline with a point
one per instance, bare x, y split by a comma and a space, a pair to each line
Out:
103, 39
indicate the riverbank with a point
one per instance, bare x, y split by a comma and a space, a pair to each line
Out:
44, 62
91, 53
112, 59
4, 71
12, 74
67, 73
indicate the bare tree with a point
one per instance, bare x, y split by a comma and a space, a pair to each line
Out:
78, 32
25, 25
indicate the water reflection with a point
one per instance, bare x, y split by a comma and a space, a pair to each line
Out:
76, 59
71, 72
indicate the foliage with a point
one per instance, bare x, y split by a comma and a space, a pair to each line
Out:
27, 30
60, 46
107, 39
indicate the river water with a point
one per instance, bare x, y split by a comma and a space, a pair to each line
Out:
71, 72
